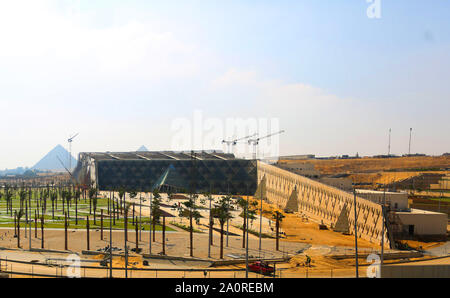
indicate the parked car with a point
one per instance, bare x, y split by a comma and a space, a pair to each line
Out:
261, 267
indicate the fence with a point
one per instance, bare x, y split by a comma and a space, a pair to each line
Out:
15, 268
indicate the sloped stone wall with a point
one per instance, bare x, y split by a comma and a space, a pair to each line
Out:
322, 202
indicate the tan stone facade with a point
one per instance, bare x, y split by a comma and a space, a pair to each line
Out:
322, 202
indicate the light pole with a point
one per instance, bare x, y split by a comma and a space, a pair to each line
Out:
210, 227
389, 146
356, 234
382, 227
110, 239
410, 134
140, 217
150, 229
246, 245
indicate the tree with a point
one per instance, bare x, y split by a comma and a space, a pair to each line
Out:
278, 217
248, 210
92, 193
156, 211
133, 194
94, 206
125, 226
190, 212
53, 198
222, 212
209, 197
8, 195
77, 197
22, 196
121, 196
18, 217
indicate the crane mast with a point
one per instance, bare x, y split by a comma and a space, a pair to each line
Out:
255, 142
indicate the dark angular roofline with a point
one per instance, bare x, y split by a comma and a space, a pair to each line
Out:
160, 155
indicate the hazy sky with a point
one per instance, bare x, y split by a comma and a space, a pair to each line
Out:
121, 73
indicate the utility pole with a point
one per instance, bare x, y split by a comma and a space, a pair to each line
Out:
356, 234
210, 227
110, 243
383, 221
260, 222
246, 245
389, 146
150, 229
140, 217
410, 135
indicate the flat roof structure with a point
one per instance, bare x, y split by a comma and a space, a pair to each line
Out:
182, 171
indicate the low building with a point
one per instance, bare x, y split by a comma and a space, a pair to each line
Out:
341, 183
303, 169
396, 201
423, 223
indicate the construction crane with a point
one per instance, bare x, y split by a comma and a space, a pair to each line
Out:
234, 142
70, 140
255, 142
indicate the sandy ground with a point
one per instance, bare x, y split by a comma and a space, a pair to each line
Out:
337, 166
177, 243
301, 238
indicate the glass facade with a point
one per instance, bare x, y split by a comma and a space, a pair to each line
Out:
234, 176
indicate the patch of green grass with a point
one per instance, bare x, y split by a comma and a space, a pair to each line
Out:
263, 235
186, 228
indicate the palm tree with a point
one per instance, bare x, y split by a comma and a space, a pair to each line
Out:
69, 197
54, 198
92, 194
125, 226
190, 212
278, 216
18, 217
247, 211
121, 197
133, 194
77, 197
22, 195
94, 205
211, 219
8, 196
222, 212
156, 210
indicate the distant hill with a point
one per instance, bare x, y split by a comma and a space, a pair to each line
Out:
142, 149
50, 162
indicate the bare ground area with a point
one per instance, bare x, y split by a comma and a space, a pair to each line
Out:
361, 165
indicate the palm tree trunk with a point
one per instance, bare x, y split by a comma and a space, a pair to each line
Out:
277, 227
137, 237
191, 237
244, 226
87, 233
42, 232
35, 224
154, 225
101, 224
164, 236
66, 240
76, 211
221, 240
15, 223
18, 232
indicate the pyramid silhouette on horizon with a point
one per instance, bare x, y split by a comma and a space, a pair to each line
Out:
142, 149
50, 161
